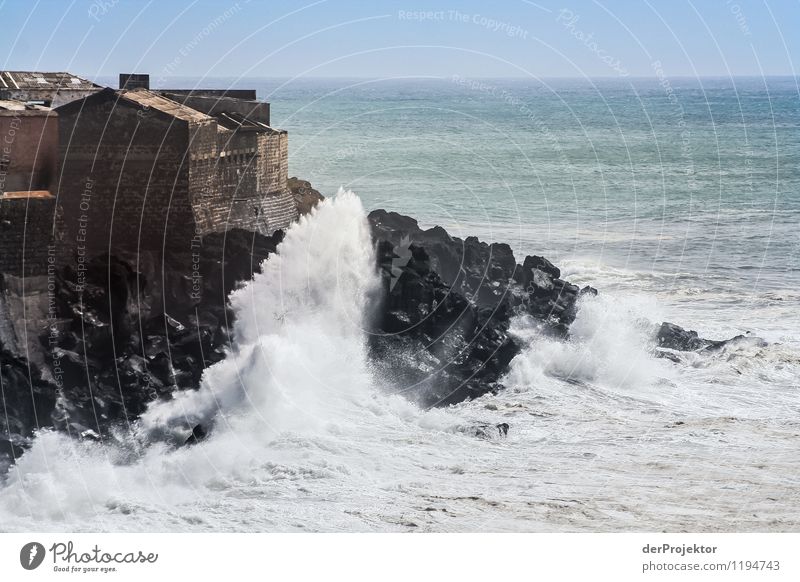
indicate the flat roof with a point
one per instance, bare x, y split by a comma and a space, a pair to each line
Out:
27, 80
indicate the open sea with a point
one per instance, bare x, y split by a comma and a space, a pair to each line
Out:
679, 199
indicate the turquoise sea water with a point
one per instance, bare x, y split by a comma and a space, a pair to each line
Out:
688, 187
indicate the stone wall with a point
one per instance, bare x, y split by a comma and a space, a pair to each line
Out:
273, 161
203, 158
125, 176
138, 179
237, 169
278, 211
251, 192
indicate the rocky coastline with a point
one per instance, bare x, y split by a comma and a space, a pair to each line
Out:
440, 332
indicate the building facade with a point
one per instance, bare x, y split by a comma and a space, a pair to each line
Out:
145, 170
87, 171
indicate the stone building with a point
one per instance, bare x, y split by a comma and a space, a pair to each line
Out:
154, 171
87, 171
48, 89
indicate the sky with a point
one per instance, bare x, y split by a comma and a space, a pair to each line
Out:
401, 38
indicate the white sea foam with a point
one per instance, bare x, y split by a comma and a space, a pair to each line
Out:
296, 379
299, 353
610, 344
603, 434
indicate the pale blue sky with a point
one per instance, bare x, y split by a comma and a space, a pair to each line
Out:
389, 38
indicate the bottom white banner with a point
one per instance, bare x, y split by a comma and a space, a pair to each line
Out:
354, 557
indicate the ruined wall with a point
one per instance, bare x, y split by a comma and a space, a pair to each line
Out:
278, 211
251, 191
230, 175
28, 150
238, 167
124, 177
273, 161
264, 213
203, 162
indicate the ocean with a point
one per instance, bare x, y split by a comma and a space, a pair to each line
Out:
678, 199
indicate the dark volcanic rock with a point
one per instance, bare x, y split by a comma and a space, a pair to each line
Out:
132, 333
485, 431
442, 332
28, 403
673, 337
139, 327
305, 197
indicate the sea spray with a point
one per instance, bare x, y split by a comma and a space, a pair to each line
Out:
610, 344
296, 378
298, 352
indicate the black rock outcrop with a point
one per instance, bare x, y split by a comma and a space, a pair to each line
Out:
137, 329
673, 337
442, 333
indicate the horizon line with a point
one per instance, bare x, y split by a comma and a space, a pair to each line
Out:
445, 77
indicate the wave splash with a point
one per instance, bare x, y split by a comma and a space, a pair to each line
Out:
299, 355
304, 437
610, 344
296, 379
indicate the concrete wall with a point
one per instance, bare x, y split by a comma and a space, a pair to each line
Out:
28, 150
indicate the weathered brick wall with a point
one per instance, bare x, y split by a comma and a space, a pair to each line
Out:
27, 227
124, 178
